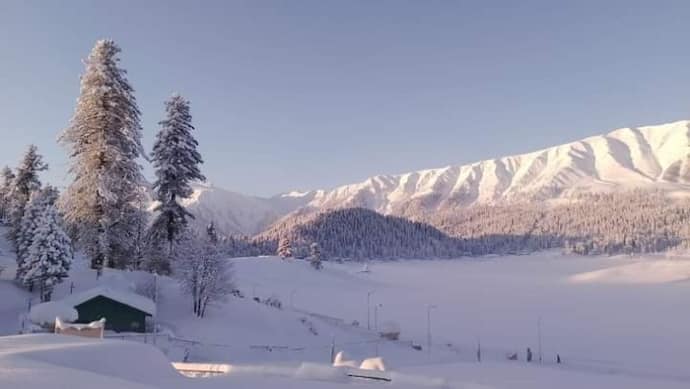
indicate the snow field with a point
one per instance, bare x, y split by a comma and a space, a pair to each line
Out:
610, 331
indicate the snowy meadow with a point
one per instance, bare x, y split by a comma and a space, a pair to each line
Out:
603, 315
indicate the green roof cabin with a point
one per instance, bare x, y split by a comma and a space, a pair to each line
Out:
123, 311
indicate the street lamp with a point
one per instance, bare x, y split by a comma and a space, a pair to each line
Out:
428, 326
539, 336
376, 316
369, 309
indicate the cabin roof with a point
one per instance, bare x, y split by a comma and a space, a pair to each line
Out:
133, 300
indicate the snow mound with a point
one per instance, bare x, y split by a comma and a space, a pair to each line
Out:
46, 313
645, 272
340, 361
373, 364
129, 361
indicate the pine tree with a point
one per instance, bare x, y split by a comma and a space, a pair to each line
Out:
315, 257
212, 233
39, 201
104, 138
50, 255
140, 244
7, 177
25, 182
176, 160
284, 248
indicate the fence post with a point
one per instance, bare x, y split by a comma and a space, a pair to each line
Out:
333, 349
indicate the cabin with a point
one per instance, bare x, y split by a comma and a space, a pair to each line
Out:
123, 311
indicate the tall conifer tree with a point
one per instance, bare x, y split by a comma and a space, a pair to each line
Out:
104, 138
176, 160
25, 182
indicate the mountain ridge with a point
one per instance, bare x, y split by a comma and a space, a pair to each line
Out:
656, 156
627, 158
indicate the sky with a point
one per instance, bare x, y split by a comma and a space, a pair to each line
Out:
297, 95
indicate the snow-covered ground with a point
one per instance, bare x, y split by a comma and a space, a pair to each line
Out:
608, 318
616, 322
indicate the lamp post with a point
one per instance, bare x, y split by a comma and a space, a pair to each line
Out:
539, 337
428, 326
369, 309
376, 316
376, 326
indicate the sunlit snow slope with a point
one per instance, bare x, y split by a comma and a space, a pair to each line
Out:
625, 158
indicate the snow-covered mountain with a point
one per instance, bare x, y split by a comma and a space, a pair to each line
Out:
652, 156
235, 213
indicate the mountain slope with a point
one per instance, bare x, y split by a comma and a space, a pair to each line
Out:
627, 158
235, 213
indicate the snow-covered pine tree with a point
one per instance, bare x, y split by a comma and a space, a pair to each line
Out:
33, 211
7, 177
212, 233
284, 248
50, 255
315, 256
26, 181
104, 138
176, 161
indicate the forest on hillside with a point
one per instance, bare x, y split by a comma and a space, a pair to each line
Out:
638, 221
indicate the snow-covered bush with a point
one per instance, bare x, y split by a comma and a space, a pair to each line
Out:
203, 273
274, 302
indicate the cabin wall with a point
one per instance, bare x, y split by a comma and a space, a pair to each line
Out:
118, 317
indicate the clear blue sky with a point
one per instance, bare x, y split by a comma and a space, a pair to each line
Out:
311, 94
